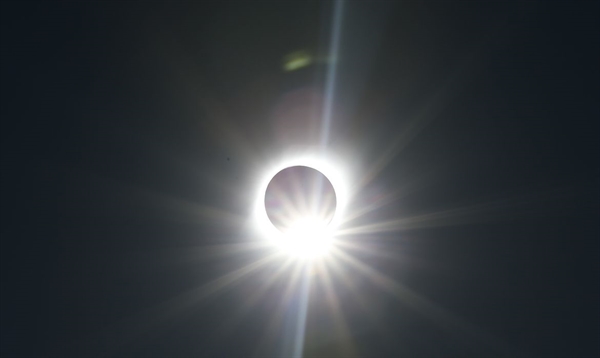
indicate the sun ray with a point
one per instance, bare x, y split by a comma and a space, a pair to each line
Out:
368, 206
427, 308
251, 300
499, 210
366, 209
330, 82
363, 248
429, 112
337, 270
171, 207
196, 254
277, 316
149, 320
349, 350
300, 326
231, 322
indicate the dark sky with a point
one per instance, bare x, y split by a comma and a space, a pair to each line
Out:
133, 133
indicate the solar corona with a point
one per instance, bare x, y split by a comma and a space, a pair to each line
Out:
299, 206
300, 202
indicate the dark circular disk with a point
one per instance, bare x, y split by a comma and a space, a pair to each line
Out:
299, 192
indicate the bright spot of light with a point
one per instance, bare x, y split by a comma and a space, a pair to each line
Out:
305, 237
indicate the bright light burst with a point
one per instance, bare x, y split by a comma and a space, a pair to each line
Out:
305, 237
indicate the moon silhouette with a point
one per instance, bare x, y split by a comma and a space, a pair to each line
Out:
299, 192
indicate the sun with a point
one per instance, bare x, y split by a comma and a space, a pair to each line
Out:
302, 235
306, 238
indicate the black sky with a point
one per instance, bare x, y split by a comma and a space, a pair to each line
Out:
126, 126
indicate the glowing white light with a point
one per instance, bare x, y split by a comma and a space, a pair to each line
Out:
307, 237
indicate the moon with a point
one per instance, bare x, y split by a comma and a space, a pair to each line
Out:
299, 194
